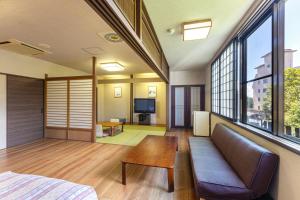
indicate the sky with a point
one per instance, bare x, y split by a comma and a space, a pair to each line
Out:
292, 28
259, 43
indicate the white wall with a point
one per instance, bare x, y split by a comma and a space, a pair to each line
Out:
207, 89
17, 64
2, 111
141, 91
111, 107
187, 77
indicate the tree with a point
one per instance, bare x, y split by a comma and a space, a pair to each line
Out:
249, 102
267, 105
292, 97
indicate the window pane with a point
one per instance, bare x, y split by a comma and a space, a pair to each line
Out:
259, 51
292, 69
226, 82
215, 87
259, 105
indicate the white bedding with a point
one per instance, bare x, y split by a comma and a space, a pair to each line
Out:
15, 186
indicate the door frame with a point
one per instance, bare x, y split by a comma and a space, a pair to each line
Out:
187, 105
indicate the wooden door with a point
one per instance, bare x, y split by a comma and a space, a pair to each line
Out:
25, 104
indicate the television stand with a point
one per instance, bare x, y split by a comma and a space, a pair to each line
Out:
144, 119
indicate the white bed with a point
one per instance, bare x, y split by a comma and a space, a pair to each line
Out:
15, 186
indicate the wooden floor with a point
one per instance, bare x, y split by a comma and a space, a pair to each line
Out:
99, 165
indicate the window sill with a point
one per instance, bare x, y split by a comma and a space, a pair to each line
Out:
285, 143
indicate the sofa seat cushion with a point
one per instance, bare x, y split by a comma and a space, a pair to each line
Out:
213, 176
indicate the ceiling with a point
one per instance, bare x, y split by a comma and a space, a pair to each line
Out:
67, 26
191, 55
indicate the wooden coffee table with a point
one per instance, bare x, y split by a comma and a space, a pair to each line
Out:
112, 126
154, 151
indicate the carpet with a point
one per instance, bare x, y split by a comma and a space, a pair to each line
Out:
132, 135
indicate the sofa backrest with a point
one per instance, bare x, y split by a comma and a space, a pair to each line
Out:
254, 164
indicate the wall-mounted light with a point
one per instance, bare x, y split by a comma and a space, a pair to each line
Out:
112, 67
196, 29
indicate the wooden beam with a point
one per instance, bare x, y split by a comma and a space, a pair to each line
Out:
138, 19
112, 81
136, 80
109, 11
68, 108
45, 104
168, 107
94, 107
68, 78
131, 99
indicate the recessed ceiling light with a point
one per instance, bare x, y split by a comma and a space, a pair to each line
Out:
171, 31
112, 67
113, 37
196, 30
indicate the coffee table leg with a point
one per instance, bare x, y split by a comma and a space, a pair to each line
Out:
123, 173
171, 179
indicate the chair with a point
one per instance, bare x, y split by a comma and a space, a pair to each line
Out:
99, 131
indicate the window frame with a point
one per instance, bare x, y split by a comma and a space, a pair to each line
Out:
243, 66
276, 9
234, 106
280, 8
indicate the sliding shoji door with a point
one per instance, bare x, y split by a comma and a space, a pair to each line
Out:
69, 113
80, 109
56, 109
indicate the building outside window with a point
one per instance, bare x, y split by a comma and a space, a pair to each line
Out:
258, 56
270, 73
292, 70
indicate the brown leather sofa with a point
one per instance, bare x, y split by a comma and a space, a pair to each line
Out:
228, 166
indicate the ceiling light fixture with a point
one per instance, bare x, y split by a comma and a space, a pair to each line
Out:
113, 37
112, 67
196, 30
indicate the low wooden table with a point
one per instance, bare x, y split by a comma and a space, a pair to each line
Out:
154, 151
111, 125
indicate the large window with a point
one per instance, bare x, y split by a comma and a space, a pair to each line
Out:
292, 70
223, 83
257, 76
269, 80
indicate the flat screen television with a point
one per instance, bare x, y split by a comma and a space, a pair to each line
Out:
144, 105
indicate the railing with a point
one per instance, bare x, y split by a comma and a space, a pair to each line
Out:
128, 9
136, 14
149, 40
292, 131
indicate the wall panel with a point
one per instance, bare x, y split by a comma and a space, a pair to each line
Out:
81, 100
2, 111
57, 103
25, 102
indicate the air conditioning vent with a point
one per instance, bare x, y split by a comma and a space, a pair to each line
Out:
21, 48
